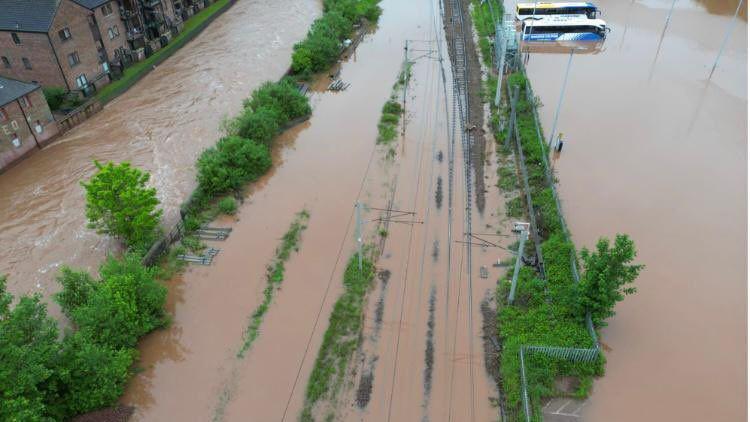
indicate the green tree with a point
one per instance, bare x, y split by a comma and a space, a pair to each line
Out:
91, 375
77, 287
260, 125
28, 354
231, 163
126, 304
283, 97
608, 277
119, 203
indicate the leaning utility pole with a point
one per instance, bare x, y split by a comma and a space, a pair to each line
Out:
559, 102
519, 258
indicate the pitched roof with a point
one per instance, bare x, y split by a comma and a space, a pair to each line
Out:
27, 15
91, 4
10, 89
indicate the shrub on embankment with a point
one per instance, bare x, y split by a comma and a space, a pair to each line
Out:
244, 154
323, 44
44, 377
552, 312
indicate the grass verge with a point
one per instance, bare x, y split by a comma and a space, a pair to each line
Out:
543, 313
341, 338
274, 277
392, 110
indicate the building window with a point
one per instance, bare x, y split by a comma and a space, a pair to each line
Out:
38, 128
25, 101
64, 34
81, 81
73, 59
6, 62
15, 141
114, 32
16, 40
107, 9
26, 63
3, 115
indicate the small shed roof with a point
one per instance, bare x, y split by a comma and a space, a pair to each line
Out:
11, 89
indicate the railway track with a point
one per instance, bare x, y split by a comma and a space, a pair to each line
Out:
455, 33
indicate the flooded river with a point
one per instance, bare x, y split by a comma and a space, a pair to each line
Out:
161, 124
655, 149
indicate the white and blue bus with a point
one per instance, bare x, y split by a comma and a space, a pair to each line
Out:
560, 28
541, 10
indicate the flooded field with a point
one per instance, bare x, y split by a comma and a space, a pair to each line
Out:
655, 149
161, 124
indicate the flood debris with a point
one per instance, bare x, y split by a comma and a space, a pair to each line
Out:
364, 391
439, 192
429, 353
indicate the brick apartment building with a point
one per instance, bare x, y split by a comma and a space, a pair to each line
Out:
25, 120
74, 44
62, 43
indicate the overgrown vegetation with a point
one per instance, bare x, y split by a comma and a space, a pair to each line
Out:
55, 96
341, 338
236, 159
228, 205
119, 203
274, 277
392, 111
324, 42
484, 24
44, 377
552, 312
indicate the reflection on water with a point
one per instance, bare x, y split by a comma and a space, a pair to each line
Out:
562, 47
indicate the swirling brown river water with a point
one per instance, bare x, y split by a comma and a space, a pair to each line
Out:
161, 124
655, 149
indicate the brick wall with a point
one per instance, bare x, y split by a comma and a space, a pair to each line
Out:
15, 126
76, 19
107, 22
35, 47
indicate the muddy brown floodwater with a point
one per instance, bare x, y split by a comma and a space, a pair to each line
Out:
191, 370
161, 124
656, 150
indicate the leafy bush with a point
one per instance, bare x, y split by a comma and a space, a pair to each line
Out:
94, 375
55, 96
281, 97
231, 163
322, 46
228, 205
119, 203
260, 125
607, 278
392, 107
125, 305
28, 352
77, 288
